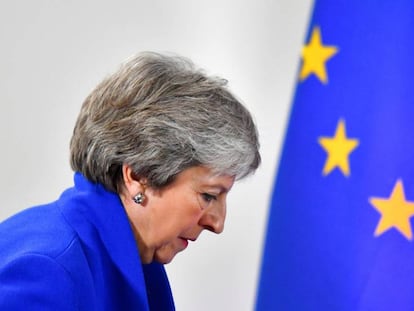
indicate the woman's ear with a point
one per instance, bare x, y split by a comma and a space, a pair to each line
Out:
131, 184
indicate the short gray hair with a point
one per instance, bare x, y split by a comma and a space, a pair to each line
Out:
160, 115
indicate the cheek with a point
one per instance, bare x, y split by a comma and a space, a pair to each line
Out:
174, 223
188, 212
187, 220
177, 215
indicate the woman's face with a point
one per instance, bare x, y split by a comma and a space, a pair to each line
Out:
169, 218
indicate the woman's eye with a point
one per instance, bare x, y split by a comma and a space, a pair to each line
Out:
208, 197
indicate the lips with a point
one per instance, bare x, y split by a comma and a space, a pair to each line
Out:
185, 242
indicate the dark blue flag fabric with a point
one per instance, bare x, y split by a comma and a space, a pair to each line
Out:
340, 228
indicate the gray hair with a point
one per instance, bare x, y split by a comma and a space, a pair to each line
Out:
160, 115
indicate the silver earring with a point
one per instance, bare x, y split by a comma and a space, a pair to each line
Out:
139, 198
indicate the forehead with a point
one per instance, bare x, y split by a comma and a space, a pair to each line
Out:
204, 176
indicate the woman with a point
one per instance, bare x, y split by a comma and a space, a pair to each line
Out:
156, 149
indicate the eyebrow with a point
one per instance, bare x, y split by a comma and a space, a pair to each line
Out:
221, 188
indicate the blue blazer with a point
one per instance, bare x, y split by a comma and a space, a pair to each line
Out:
77, 253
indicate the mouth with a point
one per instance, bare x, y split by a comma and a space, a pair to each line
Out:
185, 242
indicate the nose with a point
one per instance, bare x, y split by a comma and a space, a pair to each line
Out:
214, 217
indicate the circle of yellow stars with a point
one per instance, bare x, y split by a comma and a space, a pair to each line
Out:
396, 211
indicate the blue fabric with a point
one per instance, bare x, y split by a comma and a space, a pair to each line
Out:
77, 253
326, 247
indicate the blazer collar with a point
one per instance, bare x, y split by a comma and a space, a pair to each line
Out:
89, 207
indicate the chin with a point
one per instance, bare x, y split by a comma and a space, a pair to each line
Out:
164, 259
164, 256
167, 252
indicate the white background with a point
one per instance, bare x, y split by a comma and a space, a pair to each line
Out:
53, 52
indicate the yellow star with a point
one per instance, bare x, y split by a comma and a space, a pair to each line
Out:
395, 212
338, 148
315, 55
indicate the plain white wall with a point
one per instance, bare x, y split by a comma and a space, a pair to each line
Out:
54, 52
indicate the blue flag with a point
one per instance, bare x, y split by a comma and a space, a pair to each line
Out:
340, 228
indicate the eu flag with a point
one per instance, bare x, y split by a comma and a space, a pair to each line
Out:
340, 228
